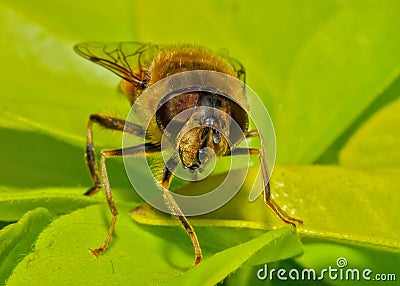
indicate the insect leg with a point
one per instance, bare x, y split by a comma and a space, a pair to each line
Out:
129, 151
107, 122
264, 170
173, 206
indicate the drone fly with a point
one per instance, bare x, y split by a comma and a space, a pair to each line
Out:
140, 66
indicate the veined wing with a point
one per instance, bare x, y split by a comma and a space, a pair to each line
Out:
129, 60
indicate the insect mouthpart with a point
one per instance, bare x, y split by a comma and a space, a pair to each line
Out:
204, 156
196, 147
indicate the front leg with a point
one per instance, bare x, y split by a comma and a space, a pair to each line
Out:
176, 211
107, 122
264, 170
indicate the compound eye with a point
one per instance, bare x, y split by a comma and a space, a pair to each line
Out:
216, 136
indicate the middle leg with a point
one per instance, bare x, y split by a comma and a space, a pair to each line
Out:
173, 206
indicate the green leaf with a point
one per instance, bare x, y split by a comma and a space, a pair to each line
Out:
356, 206
323, 69
15, 202
137, 254
16, 240
55, 163
376, 144
331, 155
338, 73
90, 21
54, 81
322, 255
309, 61
219, 266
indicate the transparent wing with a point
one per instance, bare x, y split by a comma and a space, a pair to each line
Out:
129, 60
239, 68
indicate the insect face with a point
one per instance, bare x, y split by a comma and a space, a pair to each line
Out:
198, 145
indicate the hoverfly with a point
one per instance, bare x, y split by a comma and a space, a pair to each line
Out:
141, 65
